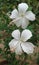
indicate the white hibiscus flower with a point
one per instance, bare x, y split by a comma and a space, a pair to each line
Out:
21, 16
20, 44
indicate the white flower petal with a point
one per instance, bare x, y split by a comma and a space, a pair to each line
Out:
18, 22
30, 15
25, 23
16, 34
18, 49
14, 14
28, 47
12, 44
26, 34
22, 7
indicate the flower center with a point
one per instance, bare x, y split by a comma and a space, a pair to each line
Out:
21, 39
22, 14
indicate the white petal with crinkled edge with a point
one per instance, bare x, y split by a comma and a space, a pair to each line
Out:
16, 34
18, 49
30, 15
28, 47
14, 14
26, 34
25, 23
22, 7
13, 43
